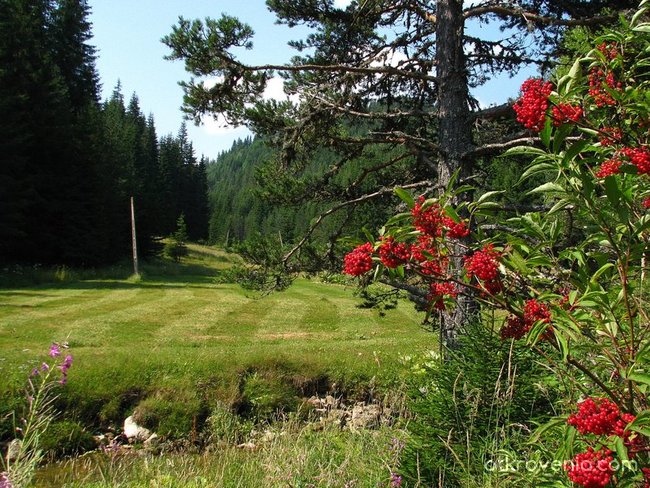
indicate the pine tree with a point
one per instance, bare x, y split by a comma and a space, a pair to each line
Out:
403, 71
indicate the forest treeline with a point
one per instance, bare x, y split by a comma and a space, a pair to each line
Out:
241, 206
69, 163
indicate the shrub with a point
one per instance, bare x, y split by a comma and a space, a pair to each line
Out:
172, 414
66, 438
265, 395
224, 427
471, 406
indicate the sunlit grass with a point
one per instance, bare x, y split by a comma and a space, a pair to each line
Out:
177, 327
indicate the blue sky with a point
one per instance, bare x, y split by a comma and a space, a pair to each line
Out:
127, 36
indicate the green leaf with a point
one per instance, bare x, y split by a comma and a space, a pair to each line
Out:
545, 135
536, 168
612, 190
398, 218
367, 234
451, 212
621, 450
642, 28
405, 196
574, 150
559, 206
563, 344
491, 205
601, 270
544, 428
640, 378
575, 72
521, 150
637, 15
547, 187
488, 195
560, 136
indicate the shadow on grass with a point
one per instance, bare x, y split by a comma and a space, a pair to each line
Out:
155, 274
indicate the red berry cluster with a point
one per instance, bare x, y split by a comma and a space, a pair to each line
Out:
359, 260
432, 220
600, 416
646, 203
609, 49
565, 112
514, 328
609, 168
427, 255
437, 292
455, 230
600, 81
484, 265
639, 157
591, 469
393, 254
428, 219
609, 136
532, 106
517, 327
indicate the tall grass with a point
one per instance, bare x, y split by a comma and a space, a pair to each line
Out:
292, 455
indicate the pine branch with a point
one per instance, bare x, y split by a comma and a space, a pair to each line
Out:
336, 68
532, 18
499, 147
375, 115
503, 110
355, 201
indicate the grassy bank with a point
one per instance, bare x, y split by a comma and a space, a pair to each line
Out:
175, 343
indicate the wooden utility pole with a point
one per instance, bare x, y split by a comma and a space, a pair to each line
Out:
135, 244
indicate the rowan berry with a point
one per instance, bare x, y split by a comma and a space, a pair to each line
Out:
639, 157
393, 254
532, 106
438, 290
455, 230
565, 112
483, 264
591, 469
359, 260
428, 219
609, 168
600, 416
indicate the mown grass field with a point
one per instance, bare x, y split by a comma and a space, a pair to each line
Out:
176, 335
177, 323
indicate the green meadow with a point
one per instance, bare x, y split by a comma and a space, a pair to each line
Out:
175, 343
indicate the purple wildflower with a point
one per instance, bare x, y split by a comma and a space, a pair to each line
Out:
35, 372
63, 380
395, 480
55, 350
67, 362
45, 367
4, 481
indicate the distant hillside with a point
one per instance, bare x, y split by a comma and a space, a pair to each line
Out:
238, 211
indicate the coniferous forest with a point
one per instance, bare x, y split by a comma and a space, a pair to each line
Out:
70, 162
519, 232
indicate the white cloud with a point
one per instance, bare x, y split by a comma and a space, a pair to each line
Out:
342, 4
217, 125
274, 89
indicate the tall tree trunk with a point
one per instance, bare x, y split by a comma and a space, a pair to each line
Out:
455, 135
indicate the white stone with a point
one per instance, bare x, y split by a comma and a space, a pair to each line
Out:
135, 432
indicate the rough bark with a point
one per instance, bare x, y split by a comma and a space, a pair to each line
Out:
455, 135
